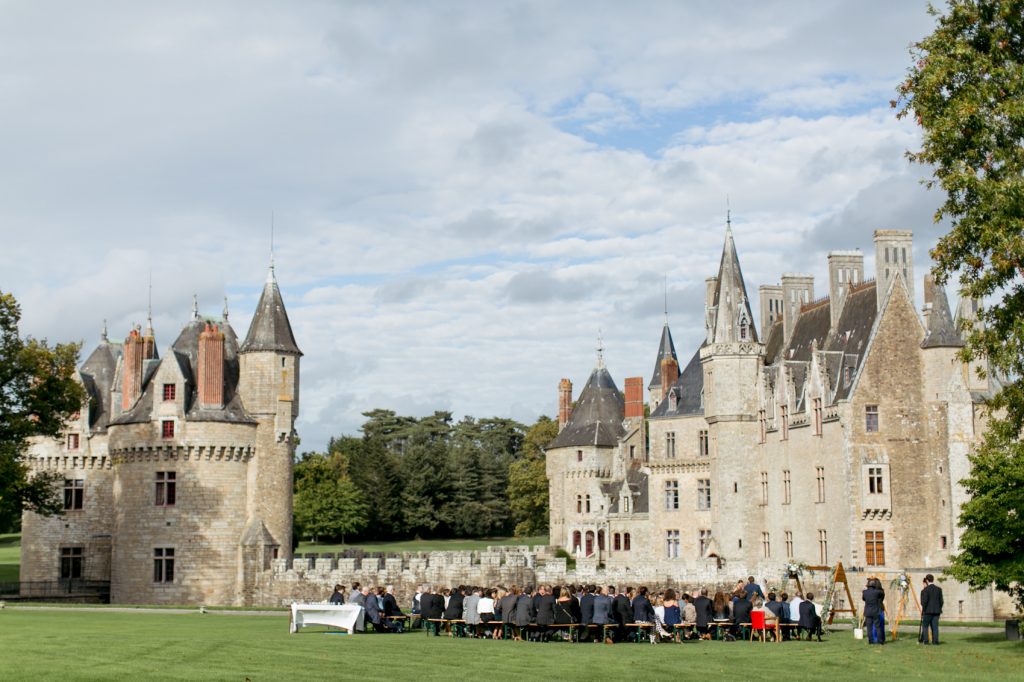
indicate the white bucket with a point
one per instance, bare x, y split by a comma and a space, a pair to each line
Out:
858, 633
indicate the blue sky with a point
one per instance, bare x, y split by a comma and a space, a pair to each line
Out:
464, 193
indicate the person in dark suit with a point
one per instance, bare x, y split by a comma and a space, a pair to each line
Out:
809, 619
586, 610
508, 607
391, 610
454, 609
643, 611
702, 604
873, 596
741, 609
622, 612
545, 610
339, 595
431, 607
372, 609
523, 614
931, 609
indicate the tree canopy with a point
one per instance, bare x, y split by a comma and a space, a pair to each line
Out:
966, 92
38, 394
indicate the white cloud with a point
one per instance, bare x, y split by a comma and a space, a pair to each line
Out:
464, 192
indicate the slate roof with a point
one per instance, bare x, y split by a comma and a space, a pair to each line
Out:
270, 329
730, 294
941, 332
98, 373
185, 352
666, 349
843, 348
638, 486
687, 391
597, 417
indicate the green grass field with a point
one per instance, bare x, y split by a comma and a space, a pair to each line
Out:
76, 644
10, 558
423, 545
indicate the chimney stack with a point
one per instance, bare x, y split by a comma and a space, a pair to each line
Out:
894, 255
211, 368
797, 289
845, 269
564, 402
131, 369
771, 307
634, 398
669, 374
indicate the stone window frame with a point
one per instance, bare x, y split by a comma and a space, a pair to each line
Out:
817, 416
670, 445
766, 544
764, 488
625, 542
165, 489
876, 479
671, 488
871, 419
787, 487
74, 494
874, 548
703, 494
784, 418
819, 478
703, 443
72, 562
789, 544
170, 393
823, 546
672, 542
74, 441
163, 565
167, 429
703, 539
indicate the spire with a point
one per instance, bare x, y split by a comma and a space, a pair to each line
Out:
225, 313
103, 334
733, 319
195, 306
666, 351
600, 350
149, 307
270, 329
941, 332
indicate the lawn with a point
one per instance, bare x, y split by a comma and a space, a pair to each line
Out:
10, 558
76, 644
423, 545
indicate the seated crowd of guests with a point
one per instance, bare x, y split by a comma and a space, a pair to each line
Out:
534, 613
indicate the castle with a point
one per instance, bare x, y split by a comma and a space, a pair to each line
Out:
177, 474
838, 430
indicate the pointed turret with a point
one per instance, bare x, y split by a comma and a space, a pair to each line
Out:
666, 351
270, 329
731, 318
940, 332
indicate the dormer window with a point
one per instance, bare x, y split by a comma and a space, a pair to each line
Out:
170, 392
672, 400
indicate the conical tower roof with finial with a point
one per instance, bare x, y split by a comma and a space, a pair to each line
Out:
270, 329
666, 350
597, 417
731, 303
941, 332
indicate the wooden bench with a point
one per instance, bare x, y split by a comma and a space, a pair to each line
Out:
638, 629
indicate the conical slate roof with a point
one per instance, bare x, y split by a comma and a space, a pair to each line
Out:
98, 376
731, 296
597, 417
270, 329
941, 332
666, 349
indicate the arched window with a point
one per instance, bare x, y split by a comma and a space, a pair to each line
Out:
600, 540
576, 541
590, 543
588, 504
579, 504
625, 542
617, 542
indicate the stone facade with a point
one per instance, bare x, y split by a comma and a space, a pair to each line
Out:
840, 435
185, 465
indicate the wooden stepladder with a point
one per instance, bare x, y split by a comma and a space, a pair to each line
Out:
904, 587
837, 574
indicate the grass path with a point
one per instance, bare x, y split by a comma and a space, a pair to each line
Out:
10, 557
77, 645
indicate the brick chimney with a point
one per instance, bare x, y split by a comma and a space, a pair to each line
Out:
211, 367
564, 402
669, 374
634, 398
131, 369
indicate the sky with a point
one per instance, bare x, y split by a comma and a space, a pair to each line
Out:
464, 195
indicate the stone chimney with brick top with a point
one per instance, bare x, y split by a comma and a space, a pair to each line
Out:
211, 368
669, 375
634, 398
131, 369
564, 402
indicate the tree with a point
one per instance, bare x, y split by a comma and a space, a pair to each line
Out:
327, 503
528, 482
39, 393
966, 91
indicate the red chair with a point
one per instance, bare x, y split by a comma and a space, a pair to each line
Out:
758, 625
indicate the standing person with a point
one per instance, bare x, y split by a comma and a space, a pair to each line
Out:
752, 588
931, 609
873, 597
339, 595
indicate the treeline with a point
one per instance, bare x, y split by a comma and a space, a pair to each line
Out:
428, 477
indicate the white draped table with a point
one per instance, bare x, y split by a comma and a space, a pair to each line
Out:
346, 616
